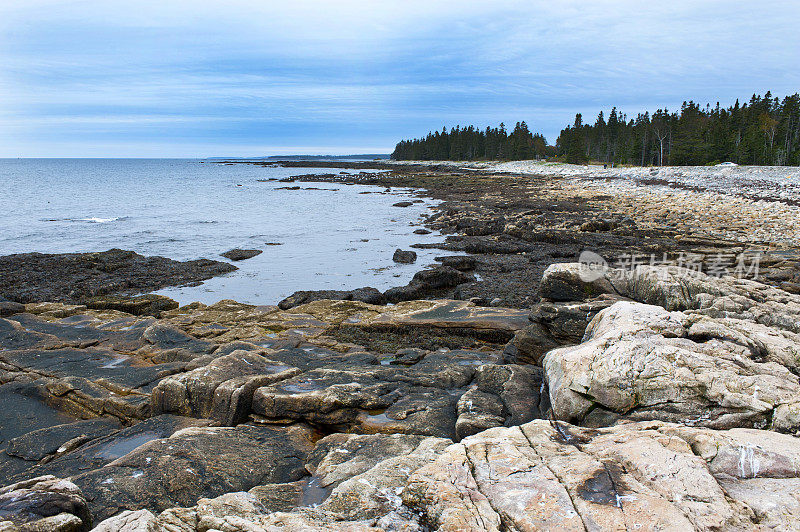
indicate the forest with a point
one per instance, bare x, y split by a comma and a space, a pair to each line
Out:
471, 144
763, 131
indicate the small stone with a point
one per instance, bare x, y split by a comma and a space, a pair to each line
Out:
404, 257
241, 254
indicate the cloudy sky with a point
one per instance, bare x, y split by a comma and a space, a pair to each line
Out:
172, 78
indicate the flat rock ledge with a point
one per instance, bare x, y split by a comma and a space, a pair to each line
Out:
83, 277
651, 399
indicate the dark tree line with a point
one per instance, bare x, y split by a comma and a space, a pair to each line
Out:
469, 144
763, 131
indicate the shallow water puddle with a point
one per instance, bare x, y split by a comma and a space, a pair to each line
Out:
115, 362
276, 369
301, 387
314, 493
121, 446
379, 419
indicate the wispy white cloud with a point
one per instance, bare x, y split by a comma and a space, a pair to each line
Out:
355, 73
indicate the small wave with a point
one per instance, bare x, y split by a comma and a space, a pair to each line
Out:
92, 220
162, 241
98, 220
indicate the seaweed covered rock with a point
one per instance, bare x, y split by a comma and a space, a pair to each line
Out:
426, 282
79, 277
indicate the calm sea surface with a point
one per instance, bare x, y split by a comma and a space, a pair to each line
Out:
187, 209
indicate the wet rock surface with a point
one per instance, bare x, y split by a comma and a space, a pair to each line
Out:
365, 295
78, 277
248, 416
459, 262
145, 305
196, 462
241, 254
427, 283
237, 412
404, 257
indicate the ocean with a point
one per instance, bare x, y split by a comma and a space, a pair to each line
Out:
324, 236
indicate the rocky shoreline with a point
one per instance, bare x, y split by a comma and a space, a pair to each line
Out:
541, 393
99, 279
515, 225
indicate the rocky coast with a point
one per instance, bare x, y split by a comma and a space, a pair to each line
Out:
510, 387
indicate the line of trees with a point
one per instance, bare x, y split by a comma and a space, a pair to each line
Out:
469, 144
763, 131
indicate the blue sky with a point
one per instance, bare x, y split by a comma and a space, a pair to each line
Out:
241, 78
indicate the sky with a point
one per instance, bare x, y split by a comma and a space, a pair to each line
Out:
175, 78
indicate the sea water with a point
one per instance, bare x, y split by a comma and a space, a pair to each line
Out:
323, 236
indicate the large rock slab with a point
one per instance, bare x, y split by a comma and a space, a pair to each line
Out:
71, 330
228, 321
644, 362
41, 443
640, 476
25, 452
44, 503
440, 313
144, 305
24, 409
366, 294
193, 463
86, 363
94, 451
573, 282
497, 325
374, 492
89, 382
675, 288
